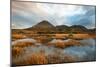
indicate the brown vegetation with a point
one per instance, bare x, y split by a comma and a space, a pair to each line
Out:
35, 58
18, 36
70, 59
16, 51
17, 48
62, 44
41, 57
72, 43
42, 39
23, 44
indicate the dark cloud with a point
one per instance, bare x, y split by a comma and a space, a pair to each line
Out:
28, 14
87, 19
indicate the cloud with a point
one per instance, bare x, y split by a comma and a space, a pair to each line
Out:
87, 19
27, 14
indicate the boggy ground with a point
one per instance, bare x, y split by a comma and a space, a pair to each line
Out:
49, 49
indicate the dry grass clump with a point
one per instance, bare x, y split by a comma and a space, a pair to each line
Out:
18, 36
83, 36
41, 58
64, 44
35, 58
70, 59
29, 57
23, 44
53, 58
58, 44
43, 39
38, 58
18, 48
56, 58
72, 43
16, 51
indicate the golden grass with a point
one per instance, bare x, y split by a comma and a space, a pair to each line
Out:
23, 44
40, 58
17, 48
70, 59
61, 44
17, 36
44, 37
37, 58
60, 58
83, 36
76, 36
54, 58
16, 51
72, 43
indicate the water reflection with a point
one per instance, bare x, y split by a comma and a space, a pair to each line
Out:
85, 52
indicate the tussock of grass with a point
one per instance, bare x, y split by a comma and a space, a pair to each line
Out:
23, 44
35, 58
16, 51
62, 44
18, 36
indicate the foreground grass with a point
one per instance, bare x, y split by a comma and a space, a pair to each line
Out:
28, 53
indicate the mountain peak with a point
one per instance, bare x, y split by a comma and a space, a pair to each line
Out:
44, 21
44, 24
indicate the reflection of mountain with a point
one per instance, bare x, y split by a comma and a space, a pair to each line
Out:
46, 27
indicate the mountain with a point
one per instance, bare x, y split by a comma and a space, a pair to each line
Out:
73, 28
78, 26
43, 26
62, 27
46, 27
78, 29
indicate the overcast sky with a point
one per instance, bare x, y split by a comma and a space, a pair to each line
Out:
27, 14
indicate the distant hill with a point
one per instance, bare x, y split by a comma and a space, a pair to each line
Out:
73, 28
78, 29
46, 27
61, 27
43, 26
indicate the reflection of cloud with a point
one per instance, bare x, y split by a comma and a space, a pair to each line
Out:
27, 14
85, 53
